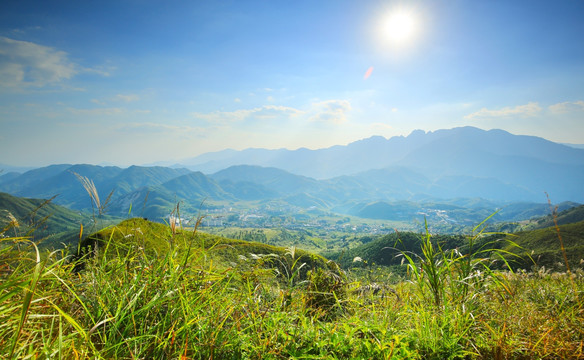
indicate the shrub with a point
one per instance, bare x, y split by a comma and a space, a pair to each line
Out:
326, 293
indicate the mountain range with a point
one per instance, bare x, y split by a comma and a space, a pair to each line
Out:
458, 162
363, 178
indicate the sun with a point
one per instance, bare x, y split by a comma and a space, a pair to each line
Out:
399, 27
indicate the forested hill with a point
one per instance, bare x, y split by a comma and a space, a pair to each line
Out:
532, 249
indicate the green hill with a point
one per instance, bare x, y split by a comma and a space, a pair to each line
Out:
385, 250
42, 220
539, 247
195, 186
543, 245
137, 234
136, 177
192, 191
568, 216
280, 181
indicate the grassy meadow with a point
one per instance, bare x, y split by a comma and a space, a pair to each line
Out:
141, 290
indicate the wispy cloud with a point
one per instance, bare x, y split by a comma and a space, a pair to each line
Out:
101, 70
331, 111
24, 63
528, 110
150, 127
264, 112
567, 107
98, 102
127, 97
105, 111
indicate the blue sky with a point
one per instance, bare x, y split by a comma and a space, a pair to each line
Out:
138, 81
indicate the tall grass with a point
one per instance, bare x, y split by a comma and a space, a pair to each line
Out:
135, 301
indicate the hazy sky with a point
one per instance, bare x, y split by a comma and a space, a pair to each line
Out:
139, 81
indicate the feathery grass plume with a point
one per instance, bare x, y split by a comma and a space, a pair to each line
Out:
554, 211
144, 203
13, 222
173, 219
32, 216
190, 246
89, 186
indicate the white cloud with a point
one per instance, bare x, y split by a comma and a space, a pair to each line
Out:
11, 74
24, 63
567, 107
264, 112
150, 127
127, 97
323, 112
331, 111
528, 110
237, 100
105, 111
275, 111
97, 111
101, 70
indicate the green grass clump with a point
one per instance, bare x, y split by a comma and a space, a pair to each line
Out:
153, 291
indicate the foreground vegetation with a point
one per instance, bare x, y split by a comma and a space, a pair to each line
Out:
144, 290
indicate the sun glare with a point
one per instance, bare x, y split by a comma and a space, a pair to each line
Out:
399, 27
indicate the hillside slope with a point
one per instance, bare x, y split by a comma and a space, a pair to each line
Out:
539, 248
543, 246
41, 220
563, 217
137, 234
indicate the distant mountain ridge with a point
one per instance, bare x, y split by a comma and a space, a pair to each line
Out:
60, 180
378, 152
374, 174
517, 166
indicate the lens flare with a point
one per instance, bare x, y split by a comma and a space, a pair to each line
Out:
368, 73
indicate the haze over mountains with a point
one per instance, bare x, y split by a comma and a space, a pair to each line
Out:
452, 149
358, 178
460, 162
